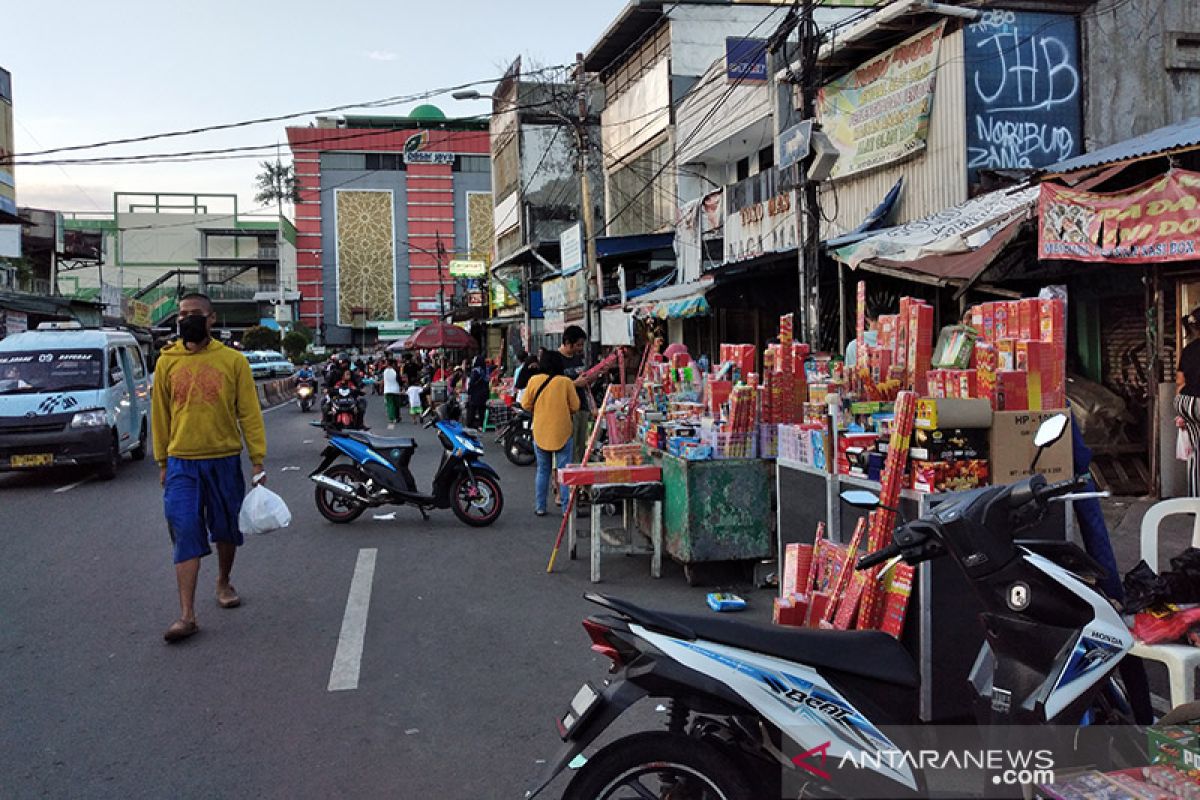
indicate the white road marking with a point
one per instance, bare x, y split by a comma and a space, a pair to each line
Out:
71, 486
347, 660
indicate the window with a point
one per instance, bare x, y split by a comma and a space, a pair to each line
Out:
353, 161
384, 161
743, 169
136, 364
116, 375
472, 164
766, 159
641, 193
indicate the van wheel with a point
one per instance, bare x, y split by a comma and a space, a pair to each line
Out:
139, 453
108, 469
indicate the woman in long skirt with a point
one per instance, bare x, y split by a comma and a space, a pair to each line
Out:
1187, 401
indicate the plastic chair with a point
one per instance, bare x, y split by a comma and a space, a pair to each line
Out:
1181, 660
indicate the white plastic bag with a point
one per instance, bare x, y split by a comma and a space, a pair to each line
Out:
1183, 445
263, 511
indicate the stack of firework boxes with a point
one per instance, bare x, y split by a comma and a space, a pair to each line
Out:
902, 354
820, 588
1014, 354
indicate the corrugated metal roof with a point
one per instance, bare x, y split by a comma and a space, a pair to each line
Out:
1179, 136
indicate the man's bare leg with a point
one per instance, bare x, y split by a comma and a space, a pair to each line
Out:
226, 595
186, 574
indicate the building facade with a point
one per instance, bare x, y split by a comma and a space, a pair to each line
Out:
385, 204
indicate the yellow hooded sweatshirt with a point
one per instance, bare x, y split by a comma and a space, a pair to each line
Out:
205, 404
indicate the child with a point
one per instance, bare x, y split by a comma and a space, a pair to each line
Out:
414, 402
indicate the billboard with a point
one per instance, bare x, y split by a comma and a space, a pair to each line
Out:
1024, 90
8, 186
879, 112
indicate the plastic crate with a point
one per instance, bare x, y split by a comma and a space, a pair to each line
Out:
498, 413
768, 441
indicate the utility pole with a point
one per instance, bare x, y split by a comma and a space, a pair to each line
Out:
809, 209
441, 281
591, 268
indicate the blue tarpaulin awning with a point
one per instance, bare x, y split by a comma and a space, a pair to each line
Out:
610, 246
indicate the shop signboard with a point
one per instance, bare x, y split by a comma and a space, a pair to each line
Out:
138, 313
553, 298
10, 241
879, 112
1024, 99
415, 152
768, 226
571, 245
794, 143
745, 60
1154, 222
464, 268
398, 328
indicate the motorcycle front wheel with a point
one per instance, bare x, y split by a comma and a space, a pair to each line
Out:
334, 507
659, 765
477, 502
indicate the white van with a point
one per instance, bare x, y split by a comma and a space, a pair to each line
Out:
72, 396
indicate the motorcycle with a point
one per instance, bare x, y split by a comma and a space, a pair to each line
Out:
379, 475
735, 692
517, 438
304, 395
342, 409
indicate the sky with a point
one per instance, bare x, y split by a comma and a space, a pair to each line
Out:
123, 69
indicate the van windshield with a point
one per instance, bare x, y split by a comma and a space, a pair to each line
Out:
51, 371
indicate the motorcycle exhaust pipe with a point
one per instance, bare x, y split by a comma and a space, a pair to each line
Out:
337, 487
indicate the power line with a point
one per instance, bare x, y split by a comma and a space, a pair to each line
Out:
380, 103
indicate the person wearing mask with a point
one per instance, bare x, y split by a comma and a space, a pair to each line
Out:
573, 343
478, 390
411, 370
528, 368
391, 393
552, 399
1187, 401
205, 412
870, 335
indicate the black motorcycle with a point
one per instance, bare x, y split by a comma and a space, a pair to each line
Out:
517, 438
342, 408
306, 390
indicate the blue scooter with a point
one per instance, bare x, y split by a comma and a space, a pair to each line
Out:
379, 475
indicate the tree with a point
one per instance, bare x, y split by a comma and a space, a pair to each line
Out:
260, 338
276, 184
294, 345
303, 330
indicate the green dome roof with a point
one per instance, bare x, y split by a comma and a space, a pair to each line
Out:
426, 112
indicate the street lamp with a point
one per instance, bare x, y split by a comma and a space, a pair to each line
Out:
469, 94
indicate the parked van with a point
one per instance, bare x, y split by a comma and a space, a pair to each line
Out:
72, 396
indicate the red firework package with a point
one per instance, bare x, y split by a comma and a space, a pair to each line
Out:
1156, 628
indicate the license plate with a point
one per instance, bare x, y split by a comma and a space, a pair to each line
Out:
32, 460
586, 700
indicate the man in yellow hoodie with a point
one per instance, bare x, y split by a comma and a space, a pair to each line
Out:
205, 406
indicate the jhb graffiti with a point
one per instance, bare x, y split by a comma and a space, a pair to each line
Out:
1023, 99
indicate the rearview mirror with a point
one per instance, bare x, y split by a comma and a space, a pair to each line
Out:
860, 498
1050, 431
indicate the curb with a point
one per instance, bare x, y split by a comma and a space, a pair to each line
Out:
276, 392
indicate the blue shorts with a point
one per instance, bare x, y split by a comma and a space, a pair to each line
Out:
201, 500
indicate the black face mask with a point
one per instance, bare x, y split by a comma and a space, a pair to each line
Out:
193, 330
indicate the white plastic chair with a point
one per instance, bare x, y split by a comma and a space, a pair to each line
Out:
1181, 660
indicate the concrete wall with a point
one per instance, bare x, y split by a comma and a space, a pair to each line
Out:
1130, 89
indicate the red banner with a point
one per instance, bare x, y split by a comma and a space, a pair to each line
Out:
1153, 222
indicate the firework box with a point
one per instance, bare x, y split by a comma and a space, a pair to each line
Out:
817, 603
920, 345
934, 477
1030, 318
1053, 321
848, 608
1011, 447
988, 331
1000, 323
848, 443
949, 413
955, 345
1012, 390
897, 588
948, 444
790, 610
741, 355
797, 560
1177, 746
593, 474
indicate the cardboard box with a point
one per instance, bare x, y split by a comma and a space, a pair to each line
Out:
593, 474
949, 444
1011, 447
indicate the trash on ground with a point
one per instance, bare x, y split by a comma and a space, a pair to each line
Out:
577, 762
385, 517
725, 601
290, 469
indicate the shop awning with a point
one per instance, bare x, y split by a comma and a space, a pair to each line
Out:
612, 246
951, 245
675, 302
1162, 141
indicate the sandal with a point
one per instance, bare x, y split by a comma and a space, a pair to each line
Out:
228, 597
180, 630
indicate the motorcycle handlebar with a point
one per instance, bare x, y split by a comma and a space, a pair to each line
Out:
878, 557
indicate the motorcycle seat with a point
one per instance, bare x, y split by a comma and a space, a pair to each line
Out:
867, 654
383, 442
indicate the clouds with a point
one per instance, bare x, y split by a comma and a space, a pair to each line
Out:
381, 55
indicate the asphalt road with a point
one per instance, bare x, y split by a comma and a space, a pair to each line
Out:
470, 649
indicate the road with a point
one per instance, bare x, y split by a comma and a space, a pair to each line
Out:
470, 649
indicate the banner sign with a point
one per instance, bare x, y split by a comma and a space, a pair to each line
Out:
768, 226
1153, 222
464, 268
879, 112
745, 60
570, 244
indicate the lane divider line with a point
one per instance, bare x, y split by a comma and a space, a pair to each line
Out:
71, 486
347, 660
